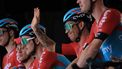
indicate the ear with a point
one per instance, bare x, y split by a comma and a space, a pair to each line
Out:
11, 32
36, 41
93, 0
81, 25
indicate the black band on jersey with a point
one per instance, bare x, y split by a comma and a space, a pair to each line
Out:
75, 66
100, 35
80, 32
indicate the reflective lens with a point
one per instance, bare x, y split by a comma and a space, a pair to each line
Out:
69, 25
23, 41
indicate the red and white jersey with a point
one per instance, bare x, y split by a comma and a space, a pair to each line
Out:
34, 65
108, 22
10, 61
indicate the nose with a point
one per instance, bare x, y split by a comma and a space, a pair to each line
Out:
69, 33
78, 1
19, 48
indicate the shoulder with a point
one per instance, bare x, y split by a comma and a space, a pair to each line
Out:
111, 13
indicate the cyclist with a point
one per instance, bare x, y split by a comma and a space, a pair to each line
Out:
106, 21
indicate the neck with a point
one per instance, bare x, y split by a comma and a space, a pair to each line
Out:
39, 51
121, 17
29, 62
11, 45
98, 10
84, 36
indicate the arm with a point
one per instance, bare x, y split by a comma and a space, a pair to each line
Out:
100, 35
42, 37
70, 65
89, 52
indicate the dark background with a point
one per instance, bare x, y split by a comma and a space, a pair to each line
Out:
52, 12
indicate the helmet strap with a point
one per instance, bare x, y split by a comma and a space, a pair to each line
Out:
80, 32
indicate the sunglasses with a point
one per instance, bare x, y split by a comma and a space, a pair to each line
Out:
23, 40
2, 32
69, 25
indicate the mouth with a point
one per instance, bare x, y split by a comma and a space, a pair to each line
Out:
71, 35
19, 55
81, 6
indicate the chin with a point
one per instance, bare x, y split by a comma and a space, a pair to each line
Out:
20, 59
1, 44
84, 10
72, 39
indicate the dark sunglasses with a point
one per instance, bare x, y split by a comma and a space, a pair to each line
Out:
2, 32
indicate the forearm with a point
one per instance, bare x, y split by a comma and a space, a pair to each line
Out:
43, 38
70, 65
89, 52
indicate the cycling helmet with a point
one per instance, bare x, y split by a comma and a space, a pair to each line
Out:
27, 30
76, 16
9, 24
70, 13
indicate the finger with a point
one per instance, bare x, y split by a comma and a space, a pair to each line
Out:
36, 13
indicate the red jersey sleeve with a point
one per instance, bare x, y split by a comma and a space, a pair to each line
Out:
109, 21
67, 49
91, 36
47, 60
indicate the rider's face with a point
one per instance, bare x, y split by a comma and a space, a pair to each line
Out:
84, 5
73, 33
4, 36
71, 30
24, 51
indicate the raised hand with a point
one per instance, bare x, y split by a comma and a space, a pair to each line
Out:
36, 18
42, 37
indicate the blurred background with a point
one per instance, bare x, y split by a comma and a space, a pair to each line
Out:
52, 12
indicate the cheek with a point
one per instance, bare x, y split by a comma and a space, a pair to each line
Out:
29, 48
86, 3
3, 40
75, 35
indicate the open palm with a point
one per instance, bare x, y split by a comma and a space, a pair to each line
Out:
36, 18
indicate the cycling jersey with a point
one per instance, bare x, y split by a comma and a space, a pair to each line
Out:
9, 60
72, 49
3, 51
52, 60
108, 24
